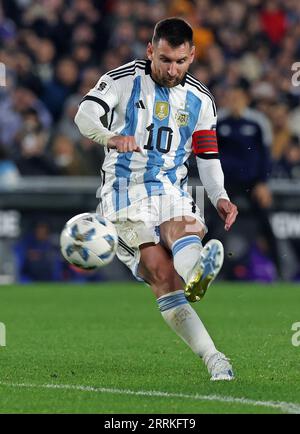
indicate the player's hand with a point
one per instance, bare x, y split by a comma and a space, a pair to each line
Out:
227, 211
123, 144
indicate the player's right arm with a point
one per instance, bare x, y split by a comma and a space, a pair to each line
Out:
96, 104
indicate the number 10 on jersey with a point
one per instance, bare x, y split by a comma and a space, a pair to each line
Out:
161, 141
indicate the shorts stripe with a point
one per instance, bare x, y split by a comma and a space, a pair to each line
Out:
127, 248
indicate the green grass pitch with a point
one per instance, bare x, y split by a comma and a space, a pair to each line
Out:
111, 337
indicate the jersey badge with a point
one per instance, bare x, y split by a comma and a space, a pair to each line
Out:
103, 87
182, 118
161, 110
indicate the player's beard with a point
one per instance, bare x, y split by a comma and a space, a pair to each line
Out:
169, 82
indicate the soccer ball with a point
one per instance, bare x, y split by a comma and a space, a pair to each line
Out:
89, 241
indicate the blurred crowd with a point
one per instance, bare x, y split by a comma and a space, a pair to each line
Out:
56, 50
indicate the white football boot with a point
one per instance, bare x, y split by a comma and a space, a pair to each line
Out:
219, 368
205, 271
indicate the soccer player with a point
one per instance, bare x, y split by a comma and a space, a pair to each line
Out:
150, 115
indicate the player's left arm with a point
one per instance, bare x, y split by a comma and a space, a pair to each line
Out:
205, 148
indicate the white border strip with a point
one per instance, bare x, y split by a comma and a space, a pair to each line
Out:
286, 407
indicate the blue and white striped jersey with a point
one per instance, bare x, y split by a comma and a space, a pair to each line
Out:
162, 120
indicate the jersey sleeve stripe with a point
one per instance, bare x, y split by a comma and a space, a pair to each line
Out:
206, 133
121, 71
206, 139
97, 100
127, 66
199, 150
203, 143
203, 134
115, 73
111, 119
209, 156
126, 74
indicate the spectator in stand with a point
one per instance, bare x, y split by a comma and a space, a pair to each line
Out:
281, 130
245, 138
273, 19
65, 126
62, 86
67, 158
123, 40
37, 257
44, 59
143, 36
203, 36
82, 54
288, 166
25, 73
30, 145
12, 109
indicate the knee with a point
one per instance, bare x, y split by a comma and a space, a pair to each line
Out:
185, 228
159, 273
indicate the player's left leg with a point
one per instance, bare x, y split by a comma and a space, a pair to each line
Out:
186, 235
156, 267
197, 265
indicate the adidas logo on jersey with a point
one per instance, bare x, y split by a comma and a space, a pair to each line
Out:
140, 104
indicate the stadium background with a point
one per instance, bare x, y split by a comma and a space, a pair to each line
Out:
54, 51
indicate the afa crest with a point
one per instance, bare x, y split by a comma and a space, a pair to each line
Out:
182, 118
161, 110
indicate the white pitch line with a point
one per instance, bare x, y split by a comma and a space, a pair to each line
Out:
286, 407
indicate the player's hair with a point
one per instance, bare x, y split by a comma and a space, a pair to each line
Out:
175, 31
